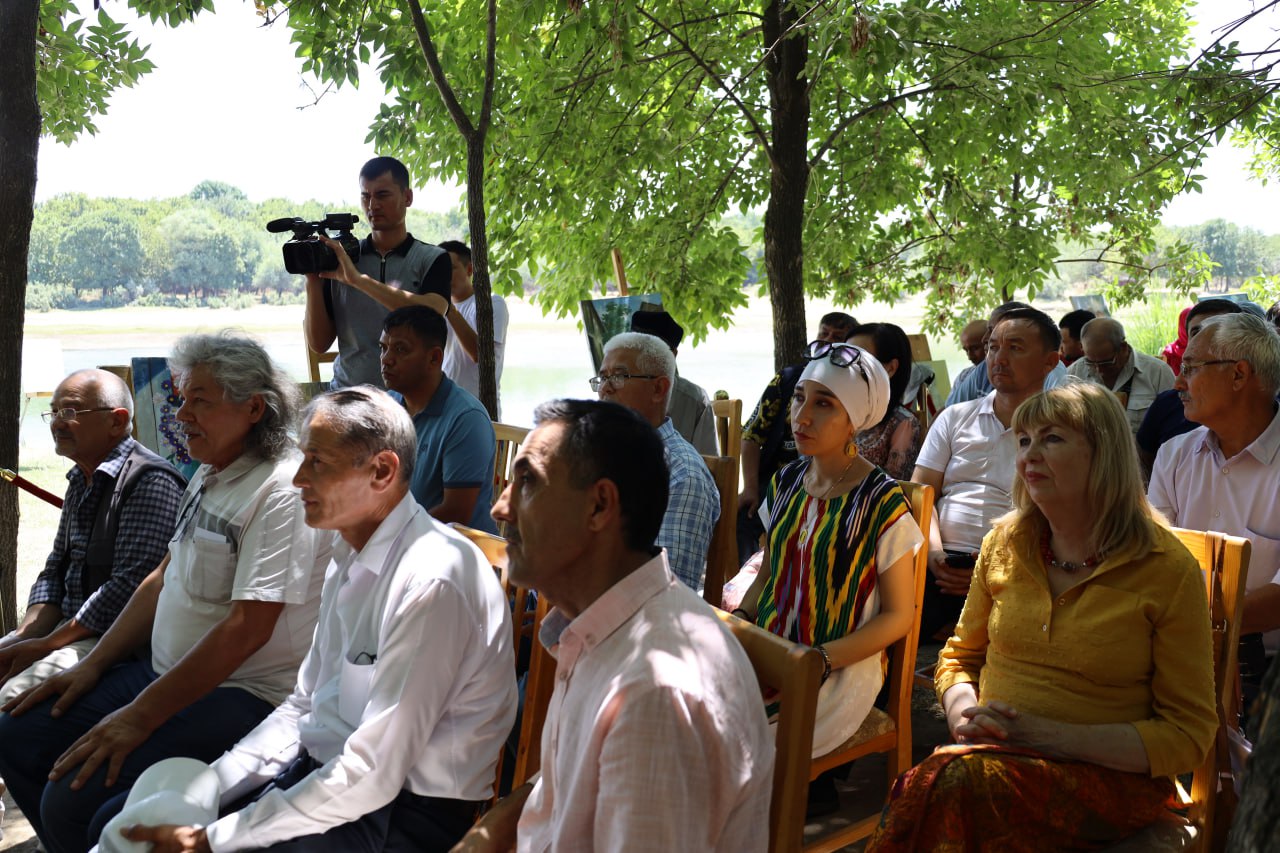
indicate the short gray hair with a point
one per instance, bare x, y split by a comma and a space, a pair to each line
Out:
1245, 337
652, 356
368, 421
1104, 329
242, 368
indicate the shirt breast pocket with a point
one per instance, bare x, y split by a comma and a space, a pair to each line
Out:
353, 691
213, 571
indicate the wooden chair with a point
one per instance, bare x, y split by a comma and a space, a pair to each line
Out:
315, 359
728, 426
885, 731
526, 618
722, 554
509, 439
1225, 563
794, 671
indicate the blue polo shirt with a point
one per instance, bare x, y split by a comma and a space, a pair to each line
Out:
456, 446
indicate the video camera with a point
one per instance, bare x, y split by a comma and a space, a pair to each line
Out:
305, 253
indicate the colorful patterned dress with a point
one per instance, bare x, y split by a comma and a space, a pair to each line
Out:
825, 557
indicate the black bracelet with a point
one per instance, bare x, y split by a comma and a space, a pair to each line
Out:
745, 615
826, 664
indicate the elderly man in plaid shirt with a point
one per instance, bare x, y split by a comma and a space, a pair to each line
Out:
117, 518
638, 371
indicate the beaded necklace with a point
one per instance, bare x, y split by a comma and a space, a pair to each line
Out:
1046, 551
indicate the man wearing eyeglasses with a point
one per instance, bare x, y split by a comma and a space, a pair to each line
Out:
638, 372
1225, 475
1109, 361
117, 518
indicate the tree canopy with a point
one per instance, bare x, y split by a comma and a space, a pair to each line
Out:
893, 146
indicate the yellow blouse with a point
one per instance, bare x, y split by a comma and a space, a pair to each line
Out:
1131, 643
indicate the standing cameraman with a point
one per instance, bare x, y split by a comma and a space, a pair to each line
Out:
393, 268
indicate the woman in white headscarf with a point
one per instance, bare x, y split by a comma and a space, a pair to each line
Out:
837, 573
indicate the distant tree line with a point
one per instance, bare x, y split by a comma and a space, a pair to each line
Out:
209, 248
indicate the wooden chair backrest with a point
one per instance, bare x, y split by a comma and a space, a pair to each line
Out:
728, 426
794, 671
509, 439
903, 663
920, 348
1225, 563
315, 359
527, 612
722, 554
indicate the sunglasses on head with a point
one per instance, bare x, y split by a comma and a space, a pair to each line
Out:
841, 355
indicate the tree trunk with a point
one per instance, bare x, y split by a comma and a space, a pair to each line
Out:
1256, 828
477, 223
19, 141
788, 179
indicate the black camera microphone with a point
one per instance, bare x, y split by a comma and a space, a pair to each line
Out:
279, 226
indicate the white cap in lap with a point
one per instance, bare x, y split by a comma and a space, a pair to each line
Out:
862, 387
181, 791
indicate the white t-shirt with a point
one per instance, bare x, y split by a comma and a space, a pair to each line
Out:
241, 536
977, 456
458, 366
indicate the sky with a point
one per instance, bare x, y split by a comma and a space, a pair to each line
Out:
227, 102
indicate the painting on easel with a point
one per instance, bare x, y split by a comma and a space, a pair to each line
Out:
156, 403
609, 316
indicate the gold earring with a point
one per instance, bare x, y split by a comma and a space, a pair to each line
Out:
851, 447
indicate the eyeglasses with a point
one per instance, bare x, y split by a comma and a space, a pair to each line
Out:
841, 355
70, 414
1191, 368
614, 380
1097, 364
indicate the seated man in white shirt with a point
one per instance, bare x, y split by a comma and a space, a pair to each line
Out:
974, 383
390, 739
655, 737
968, 458
1225, 475
1135, 377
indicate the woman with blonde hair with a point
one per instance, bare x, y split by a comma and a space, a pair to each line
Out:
1079, 678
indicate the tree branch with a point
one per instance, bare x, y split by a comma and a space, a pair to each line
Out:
757, 130
451, 104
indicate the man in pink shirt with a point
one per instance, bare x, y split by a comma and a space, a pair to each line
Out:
656, 734
1225, 476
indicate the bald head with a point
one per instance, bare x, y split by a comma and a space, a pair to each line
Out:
105, 388
973, 340
1103, 330
1102, 340
91, 412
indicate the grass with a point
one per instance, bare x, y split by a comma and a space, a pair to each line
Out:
1150, 325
